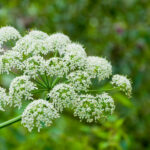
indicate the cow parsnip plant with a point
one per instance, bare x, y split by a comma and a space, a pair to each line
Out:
54, 74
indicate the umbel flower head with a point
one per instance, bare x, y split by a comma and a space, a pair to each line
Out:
80, 80
58, 42
8, 33
10, 60
63, 96
38, 35
39, 113
92, 108
54, 74
122, 83
98, 67
20, 89
75, 57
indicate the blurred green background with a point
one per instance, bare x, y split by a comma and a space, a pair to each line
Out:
116, 29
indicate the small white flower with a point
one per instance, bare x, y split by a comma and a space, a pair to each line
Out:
98, 67
58, 42
31, 45
34, 66
122, 83
80, 80
8, 33
56, 67
10, 60
36, 34
92, 108
76, 49
20, 89
105, 104
63, 96
3, 98
38, 114
75, 56
85, 108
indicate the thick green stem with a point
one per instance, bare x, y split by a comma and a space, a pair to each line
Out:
9, 122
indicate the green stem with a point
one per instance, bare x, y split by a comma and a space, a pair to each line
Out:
55, 81
43, 79
55, 55
40, 84
103, 90
9, 122
47, 80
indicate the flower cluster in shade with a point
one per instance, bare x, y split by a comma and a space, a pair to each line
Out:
60, 71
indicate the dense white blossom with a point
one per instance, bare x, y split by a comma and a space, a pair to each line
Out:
105, 104
85, 107
20, 89
34, 66
58, 42
92, 108
122, 83
38, 114
98, 67
56, 67
3, 98
38, 35
75, 56
8, 33
80, 80
64, 74
63, 96
10, 60
76, 48
31, 45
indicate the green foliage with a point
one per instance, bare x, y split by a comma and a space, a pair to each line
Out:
117, 29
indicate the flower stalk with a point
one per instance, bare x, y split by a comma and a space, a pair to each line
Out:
9, 122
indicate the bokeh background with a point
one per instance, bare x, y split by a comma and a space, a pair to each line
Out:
116, 29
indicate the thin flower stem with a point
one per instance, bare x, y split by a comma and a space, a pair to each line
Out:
40, 84
9, 122
55, 81
55, 55
38, 91
47, 80
103, 90
41, 81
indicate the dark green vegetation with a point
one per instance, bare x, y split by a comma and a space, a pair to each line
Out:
116, 29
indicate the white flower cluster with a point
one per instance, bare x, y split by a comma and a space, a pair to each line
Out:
64, 75
80, 80
8, 33
38, 35
39, 113
63, 96
98, 67
122, 83
92, 108
58, 42
20, 89
31, 45
34, 66
75, 57
10, 60
3, 98
56, 67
